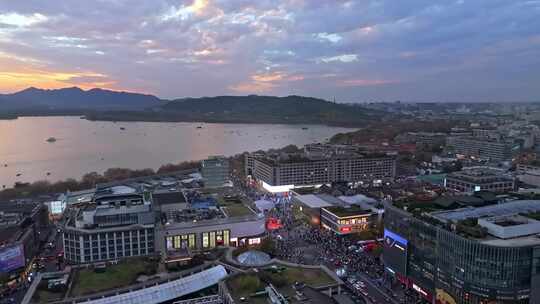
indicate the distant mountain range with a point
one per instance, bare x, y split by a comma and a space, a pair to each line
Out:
99, 104
76, 98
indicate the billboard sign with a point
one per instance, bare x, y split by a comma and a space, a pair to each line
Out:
11, 258
57, 207
395, 251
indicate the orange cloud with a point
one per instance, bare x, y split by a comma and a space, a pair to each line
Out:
253, 87
19, 73
22, 78
268, 77
265, 82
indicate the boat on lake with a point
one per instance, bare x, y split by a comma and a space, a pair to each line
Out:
51, 139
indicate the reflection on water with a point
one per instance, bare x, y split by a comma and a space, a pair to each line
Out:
84, 146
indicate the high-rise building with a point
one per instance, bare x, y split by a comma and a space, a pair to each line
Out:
472, 255
215, 171
117, 223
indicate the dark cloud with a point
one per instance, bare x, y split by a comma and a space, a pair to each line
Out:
351, 50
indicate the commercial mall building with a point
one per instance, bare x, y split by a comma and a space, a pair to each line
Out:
469, 255
318, 164
193, 222
342, 215
170, 217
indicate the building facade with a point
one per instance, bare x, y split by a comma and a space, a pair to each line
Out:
528, 174
215, 171
298, 171
443, 266
430, 139
496, 150
480, 179
112, 227
207, 235
347, 220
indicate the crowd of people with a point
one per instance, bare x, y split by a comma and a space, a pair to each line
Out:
302, 243
299, 242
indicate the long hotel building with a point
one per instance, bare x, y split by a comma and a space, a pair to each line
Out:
282, 172
496, 150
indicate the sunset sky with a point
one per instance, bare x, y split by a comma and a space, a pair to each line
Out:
365, 50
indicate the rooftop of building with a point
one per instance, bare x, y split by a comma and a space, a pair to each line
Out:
353, 210
474, 174
501, 222
316, 201
502, 209
342, 206
105, 201
18, 207
424, 133
315, 152
182, 179
203, 207
214, 161
168, 196
482, 139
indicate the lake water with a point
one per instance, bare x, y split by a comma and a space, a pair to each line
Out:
84, 146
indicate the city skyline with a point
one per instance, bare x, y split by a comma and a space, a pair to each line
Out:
353, 51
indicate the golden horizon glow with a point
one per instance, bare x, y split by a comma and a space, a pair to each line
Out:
13, 81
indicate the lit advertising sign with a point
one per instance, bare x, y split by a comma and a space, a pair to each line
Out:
57, 207
273, 224
395, 252
11, 258
277, 189
345, 229
395, 237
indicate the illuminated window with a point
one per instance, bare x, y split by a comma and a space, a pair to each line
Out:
254, 241
192, 244
176, 241
184, 242
205, 240
212, 239
169, 242
226, 237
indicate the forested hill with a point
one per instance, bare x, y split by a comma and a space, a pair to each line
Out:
270, 109
99, 104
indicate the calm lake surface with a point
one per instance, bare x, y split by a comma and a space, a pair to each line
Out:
84, 146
